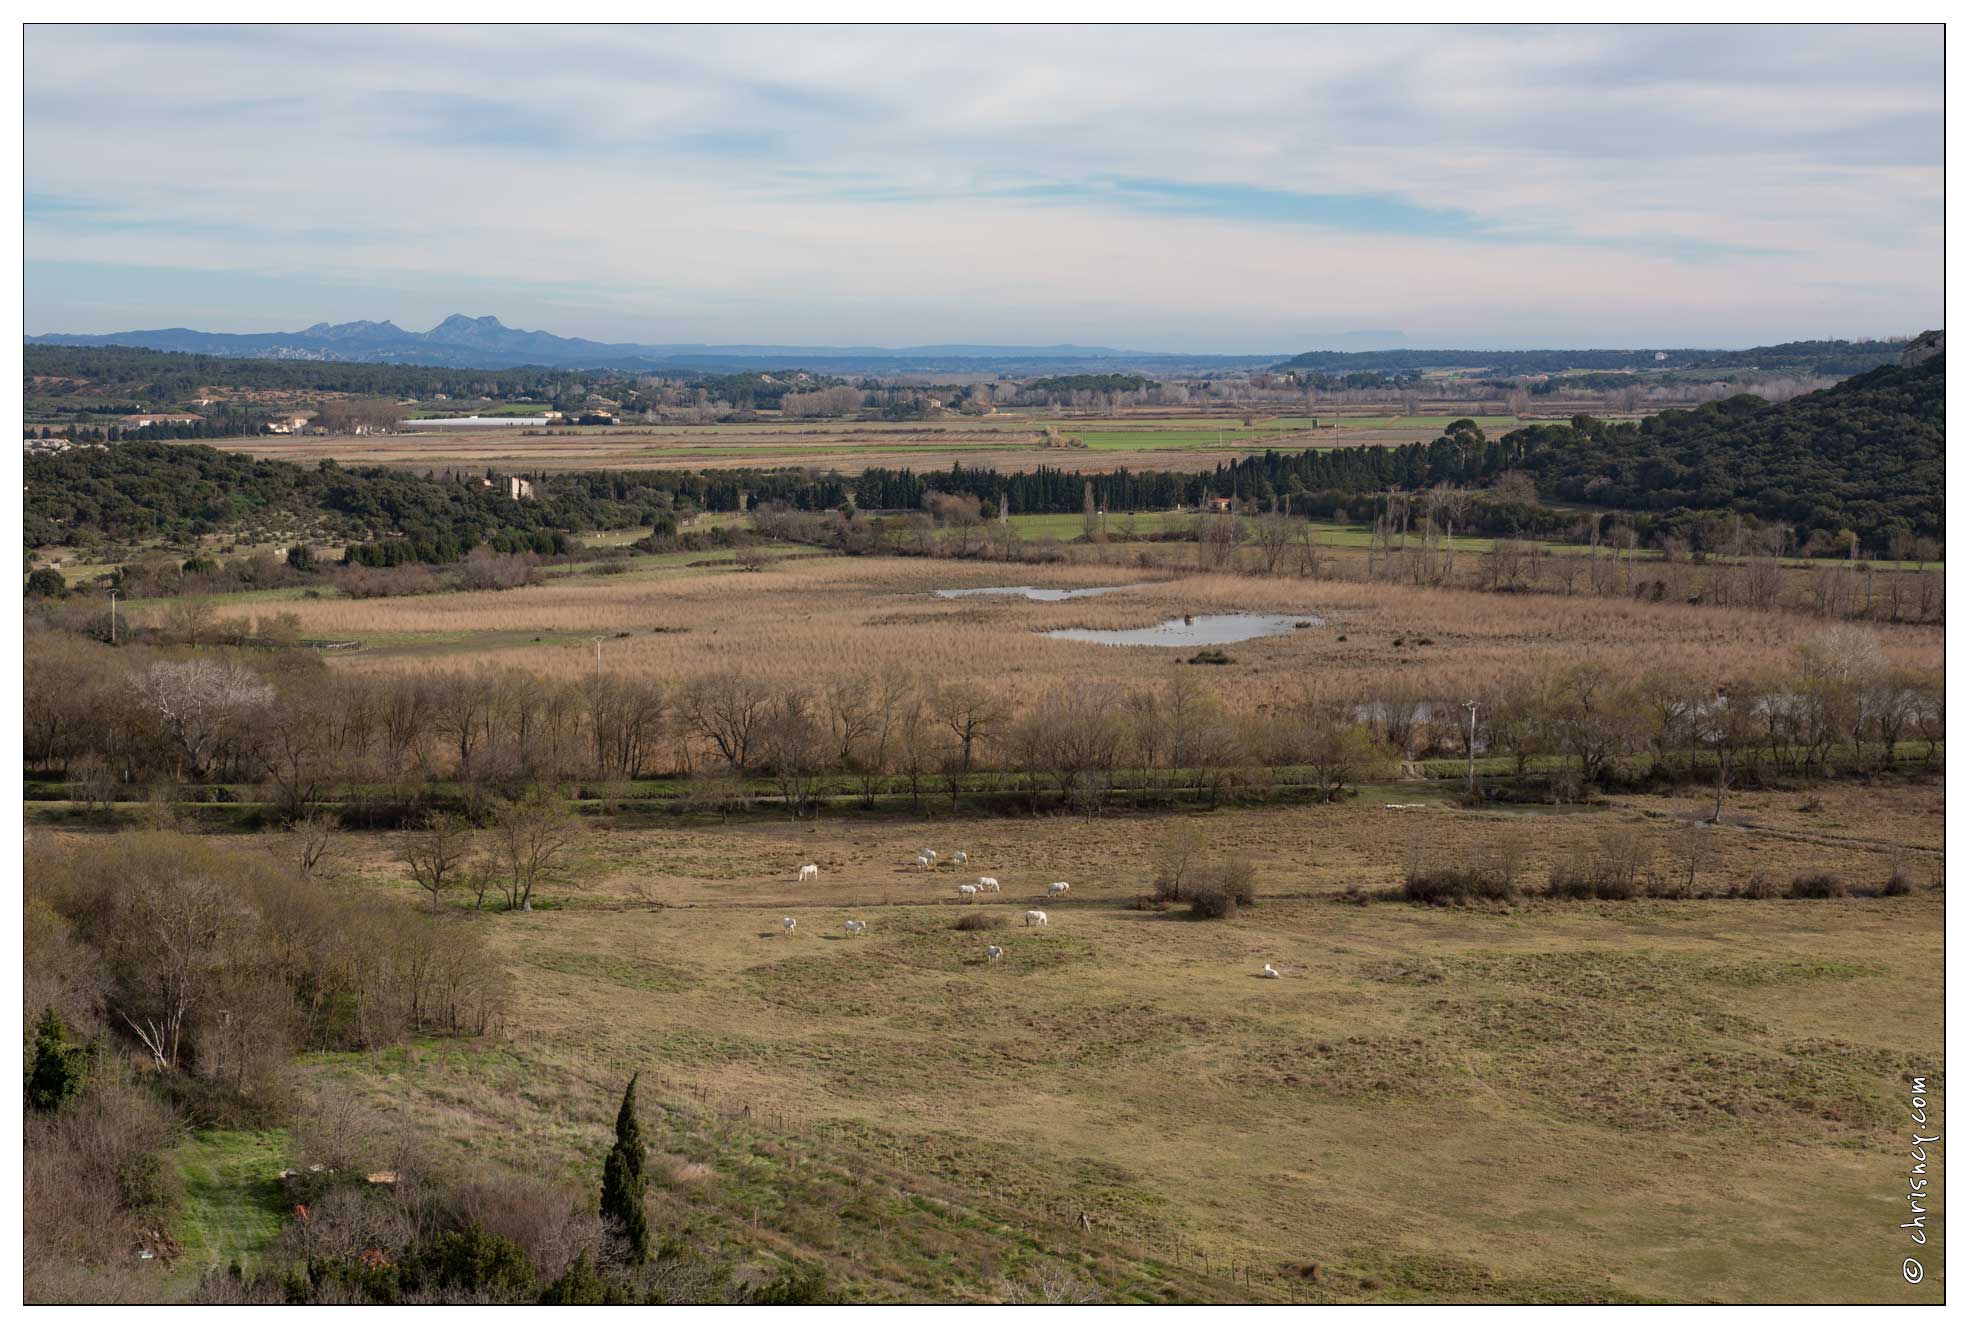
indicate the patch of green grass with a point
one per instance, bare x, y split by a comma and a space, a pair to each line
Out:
233, 1205
643, 975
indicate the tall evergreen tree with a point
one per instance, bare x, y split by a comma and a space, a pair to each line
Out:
622, 1180
58, 1067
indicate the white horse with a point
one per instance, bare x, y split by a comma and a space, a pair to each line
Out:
993, 953
960, 858
1035, 918
787, 925
1269, 972
923, 862
810, 872
1058, 888
988, 883
968, 891
854, 927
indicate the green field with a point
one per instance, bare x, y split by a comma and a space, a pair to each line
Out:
233, 1207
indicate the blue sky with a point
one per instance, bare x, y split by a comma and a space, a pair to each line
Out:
1203, 189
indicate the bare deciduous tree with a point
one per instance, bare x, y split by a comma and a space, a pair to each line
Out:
437, 854
1274, 537
534, 842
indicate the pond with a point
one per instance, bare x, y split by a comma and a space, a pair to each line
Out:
1196, 630
1041, 592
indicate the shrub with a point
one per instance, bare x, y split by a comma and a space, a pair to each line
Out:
580, 1285
1211, 900
1760, 887
1451, 885
980, 921
57, 1068
1491, 873
1898, 882
1221, 889
469, 1260
799, 1285
1816, 886
1615, 870
365, 583
486, 570
1239, 879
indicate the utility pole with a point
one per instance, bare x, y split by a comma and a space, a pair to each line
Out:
1471, 785
598, 651
112, 618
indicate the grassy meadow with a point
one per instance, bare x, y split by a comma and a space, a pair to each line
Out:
1694, 1099
1650, 1100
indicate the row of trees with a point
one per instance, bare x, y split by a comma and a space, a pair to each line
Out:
308, 735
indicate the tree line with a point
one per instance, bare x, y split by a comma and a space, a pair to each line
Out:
107, 719
1862, 458
138, 491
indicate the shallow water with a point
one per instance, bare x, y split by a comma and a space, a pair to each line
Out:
1040, 592
1200, 630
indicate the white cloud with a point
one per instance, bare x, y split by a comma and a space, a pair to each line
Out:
1657, 184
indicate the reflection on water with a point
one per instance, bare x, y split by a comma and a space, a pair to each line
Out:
1194, 630
1041, 592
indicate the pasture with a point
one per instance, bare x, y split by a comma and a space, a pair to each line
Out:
1684, 1100
1681, 1099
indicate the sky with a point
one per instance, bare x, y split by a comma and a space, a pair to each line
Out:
1240, 190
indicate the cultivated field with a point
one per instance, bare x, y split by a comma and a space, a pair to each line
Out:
1010, 441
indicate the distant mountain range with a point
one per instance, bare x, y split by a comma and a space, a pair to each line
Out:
485, 343
460, 342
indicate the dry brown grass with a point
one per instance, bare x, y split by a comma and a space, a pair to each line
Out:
1683, 1055
817, 618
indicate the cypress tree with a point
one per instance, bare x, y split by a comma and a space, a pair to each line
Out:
622, 1180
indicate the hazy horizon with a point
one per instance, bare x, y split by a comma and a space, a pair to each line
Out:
1340, 341
1196, 190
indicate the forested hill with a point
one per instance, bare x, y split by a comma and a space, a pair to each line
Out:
1864, 455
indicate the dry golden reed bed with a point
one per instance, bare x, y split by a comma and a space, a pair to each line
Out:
818, 618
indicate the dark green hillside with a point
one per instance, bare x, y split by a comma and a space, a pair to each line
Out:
1864, 455
138, 491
